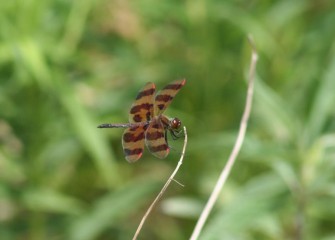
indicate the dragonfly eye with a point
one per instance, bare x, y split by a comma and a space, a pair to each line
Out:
175, 123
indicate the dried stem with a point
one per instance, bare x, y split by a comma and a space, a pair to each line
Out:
243, 126
163, 189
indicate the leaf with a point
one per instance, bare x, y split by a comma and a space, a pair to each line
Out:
275, 112
323, 104
88, 133
256, 201
48, 200
110, 209
183, 207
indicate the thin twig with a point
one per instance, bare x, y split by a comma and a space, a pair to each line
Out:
240, 137
164, 187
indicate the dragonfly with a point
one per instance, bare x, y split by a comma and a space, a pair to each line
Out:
147, 125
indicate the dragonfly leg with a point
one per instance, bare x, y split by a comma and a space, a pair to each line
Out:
176, 134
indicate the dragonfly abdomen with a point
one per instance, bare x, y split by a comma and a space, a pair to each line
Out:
121, 125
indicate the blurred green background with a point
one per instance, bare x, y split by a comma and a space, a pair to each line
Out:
68, 66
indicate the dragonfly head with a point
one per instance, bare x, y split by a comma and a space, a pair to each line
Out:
175, 123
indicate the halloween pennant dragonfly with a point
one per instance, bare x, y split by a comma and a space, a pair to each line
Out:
147, 124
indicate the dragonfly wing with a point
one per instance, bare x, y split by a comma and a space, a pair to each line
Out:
142, 108
133, 143
155, 139
166, 95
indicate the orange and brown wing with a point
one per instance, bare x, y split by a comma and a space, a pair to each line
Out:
142, 108
166, 95
133, 142
155, 139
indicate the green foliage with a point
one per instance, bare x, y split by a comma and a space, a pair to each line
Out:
67, 66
